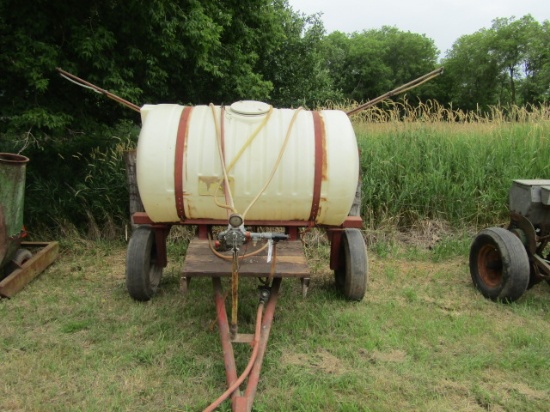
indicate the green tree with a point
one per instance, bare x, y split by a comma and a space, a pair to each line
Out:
367, 64
471, 73
162, 51
365, 72
510, 46
335, 51
535, 88
296, 66
490, 66
408, 55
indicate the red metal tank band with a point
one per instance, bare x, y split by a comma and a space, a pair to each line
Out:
319, 130
181, 139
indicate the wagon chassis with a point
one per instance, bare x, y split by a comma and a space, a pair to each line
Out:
204, 227
290, 263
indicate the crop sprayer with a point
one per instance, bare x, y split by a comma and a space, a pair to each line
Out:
264, 176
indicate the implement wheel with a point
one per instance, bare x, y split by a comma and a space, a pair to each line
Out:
21, 256
351, 275
499, 265
142, 272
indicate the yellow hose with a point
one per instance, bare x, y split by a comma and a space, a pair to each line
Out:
245, 256
238, 155
277, 162
248, 142
231, 205
250, 139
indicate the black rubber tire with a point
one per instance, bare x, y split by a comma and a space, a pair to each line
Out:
21, 256
351, 275
499, 265
142, 272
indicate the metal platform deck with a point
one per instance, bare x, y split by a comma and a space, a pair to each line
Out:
290, 262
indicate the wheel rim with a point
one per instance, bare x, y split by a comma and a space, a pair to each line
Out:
489, 263
355, 264
143, 275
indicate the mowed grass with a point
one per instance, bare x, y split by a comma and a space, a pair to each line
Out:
422, 338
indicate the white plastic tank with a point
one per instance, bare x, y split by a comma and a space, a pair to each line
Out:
180, 173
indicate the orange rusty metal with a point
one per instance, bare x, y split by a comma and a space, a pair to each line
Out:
141, 218
181, 139
320, 160
259, 343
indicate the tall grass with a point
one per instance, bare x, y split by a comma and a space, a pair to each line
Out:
79, 187
427, 162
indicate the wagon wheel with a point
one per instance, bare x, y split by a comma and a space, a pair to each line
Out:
351, 275
499, 264
142, 272
20, 257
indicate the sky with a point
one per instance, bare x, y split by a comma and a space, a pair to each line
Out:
443, 21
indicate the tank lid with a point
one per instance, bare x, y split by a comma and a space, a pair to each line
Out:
250, 107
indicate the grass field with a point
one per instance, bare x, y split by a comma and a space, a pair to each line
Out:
422, 338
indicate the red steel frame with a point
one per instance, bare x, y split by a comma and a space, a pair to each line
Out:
243, 403
204, 225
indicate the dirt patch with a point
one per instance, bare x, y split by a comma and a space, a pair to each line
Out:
526, 391
320, 361
425, 233
393, 356
498, 382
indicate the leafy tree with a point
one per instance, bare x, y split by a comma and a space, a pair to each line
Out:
535, 88
510, 47
295, 67
367, 64
335, 51
408, 55
471, 73
365, 72
489, 66
161, 51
